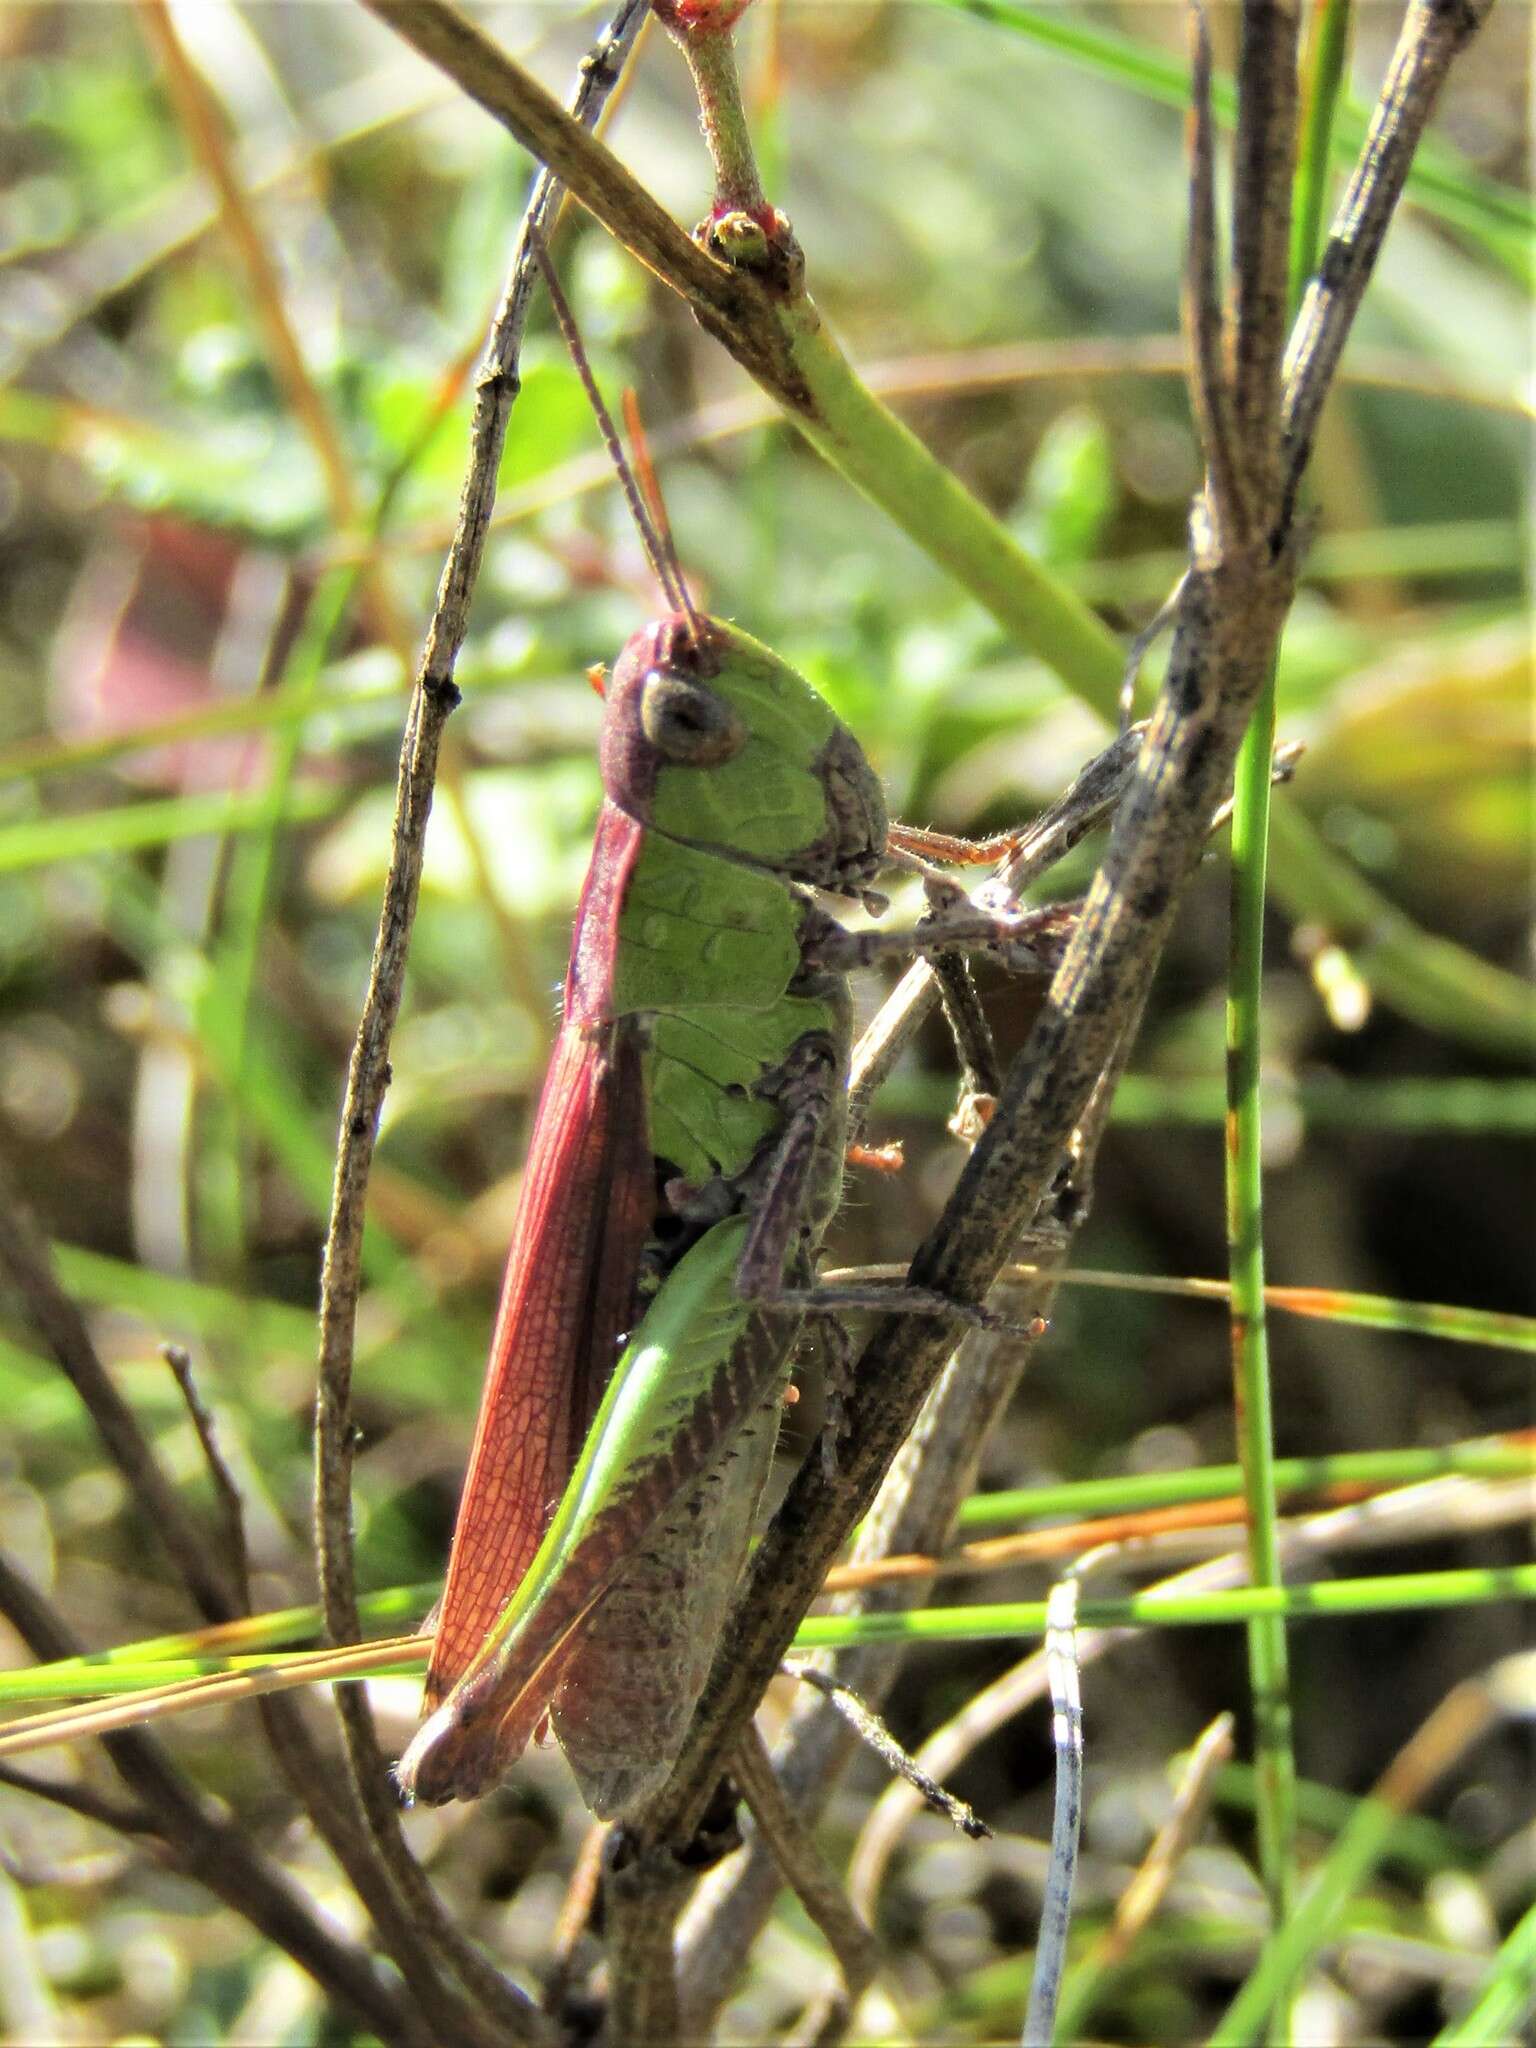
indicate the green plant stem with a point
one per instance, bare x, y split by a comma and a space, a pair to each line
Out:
1268, 1664
1322, 82
1268, 1657
881, 457
712, 60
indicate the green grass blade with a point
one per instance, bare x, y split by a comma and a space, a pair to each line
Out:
1333, 1599
278, 1629
131, 828
1082, 1499
1506, 2001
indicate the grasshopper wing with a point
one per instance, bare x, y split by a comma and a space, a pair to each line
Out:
684, 1386
567, 1299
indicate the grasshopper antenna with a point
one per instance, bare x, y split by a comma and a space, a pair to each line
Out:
662, 555
646, 470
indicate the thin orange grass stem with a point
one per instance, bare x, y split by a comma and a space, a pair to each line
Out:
250, 1679
1449, 1320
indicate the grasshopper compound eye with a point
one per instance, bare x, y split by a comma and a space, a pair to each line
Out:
686, 722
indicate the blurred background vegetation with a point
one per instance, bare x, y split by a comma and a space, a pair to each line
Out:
211, 599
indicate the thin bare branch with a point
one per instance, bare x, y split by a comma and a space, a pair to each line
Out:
728, 302
296, 1755
854, 1947
1263, 166
433, 700
27, 1264
1084, 805
575, 1916
225, 1487
1434, 34
1172, 1842
81, 1800
1227, 493
643, 1891
874, 1734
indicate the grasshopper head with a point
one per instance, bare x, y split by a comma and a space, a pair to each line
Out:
713, 740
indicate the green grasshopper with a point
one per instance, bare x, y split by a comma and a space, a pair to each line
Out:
686, 1158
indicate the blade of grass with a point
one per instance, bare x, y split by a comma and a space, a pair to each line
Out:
1421, 1845
1487, 1458
1334, 1599
1322, 70
135, 827
210, 1650
1469, 1105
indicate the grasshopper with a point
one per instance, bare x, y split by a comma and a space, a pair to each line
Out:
686, 1158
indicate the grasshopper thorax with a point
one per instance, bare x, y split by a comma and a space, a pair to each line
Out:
710, 738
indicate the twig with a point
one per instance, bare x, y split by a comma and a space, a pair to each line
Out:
1202, 299
730, 303
874, 1734
216, 1852
980, 1073
643, 1890
200, 120
1067, 1815
1084, 805
25, 1261
179, 1359
854, 1947
115, 1814
1420, 1513
1433, 35
1263, 167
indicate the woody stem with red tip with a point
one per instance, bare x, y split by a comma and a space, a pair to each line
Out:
704, 36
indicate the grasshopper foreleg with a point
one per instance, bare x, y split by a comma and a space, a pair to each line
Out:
1025, 941
769, 1273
